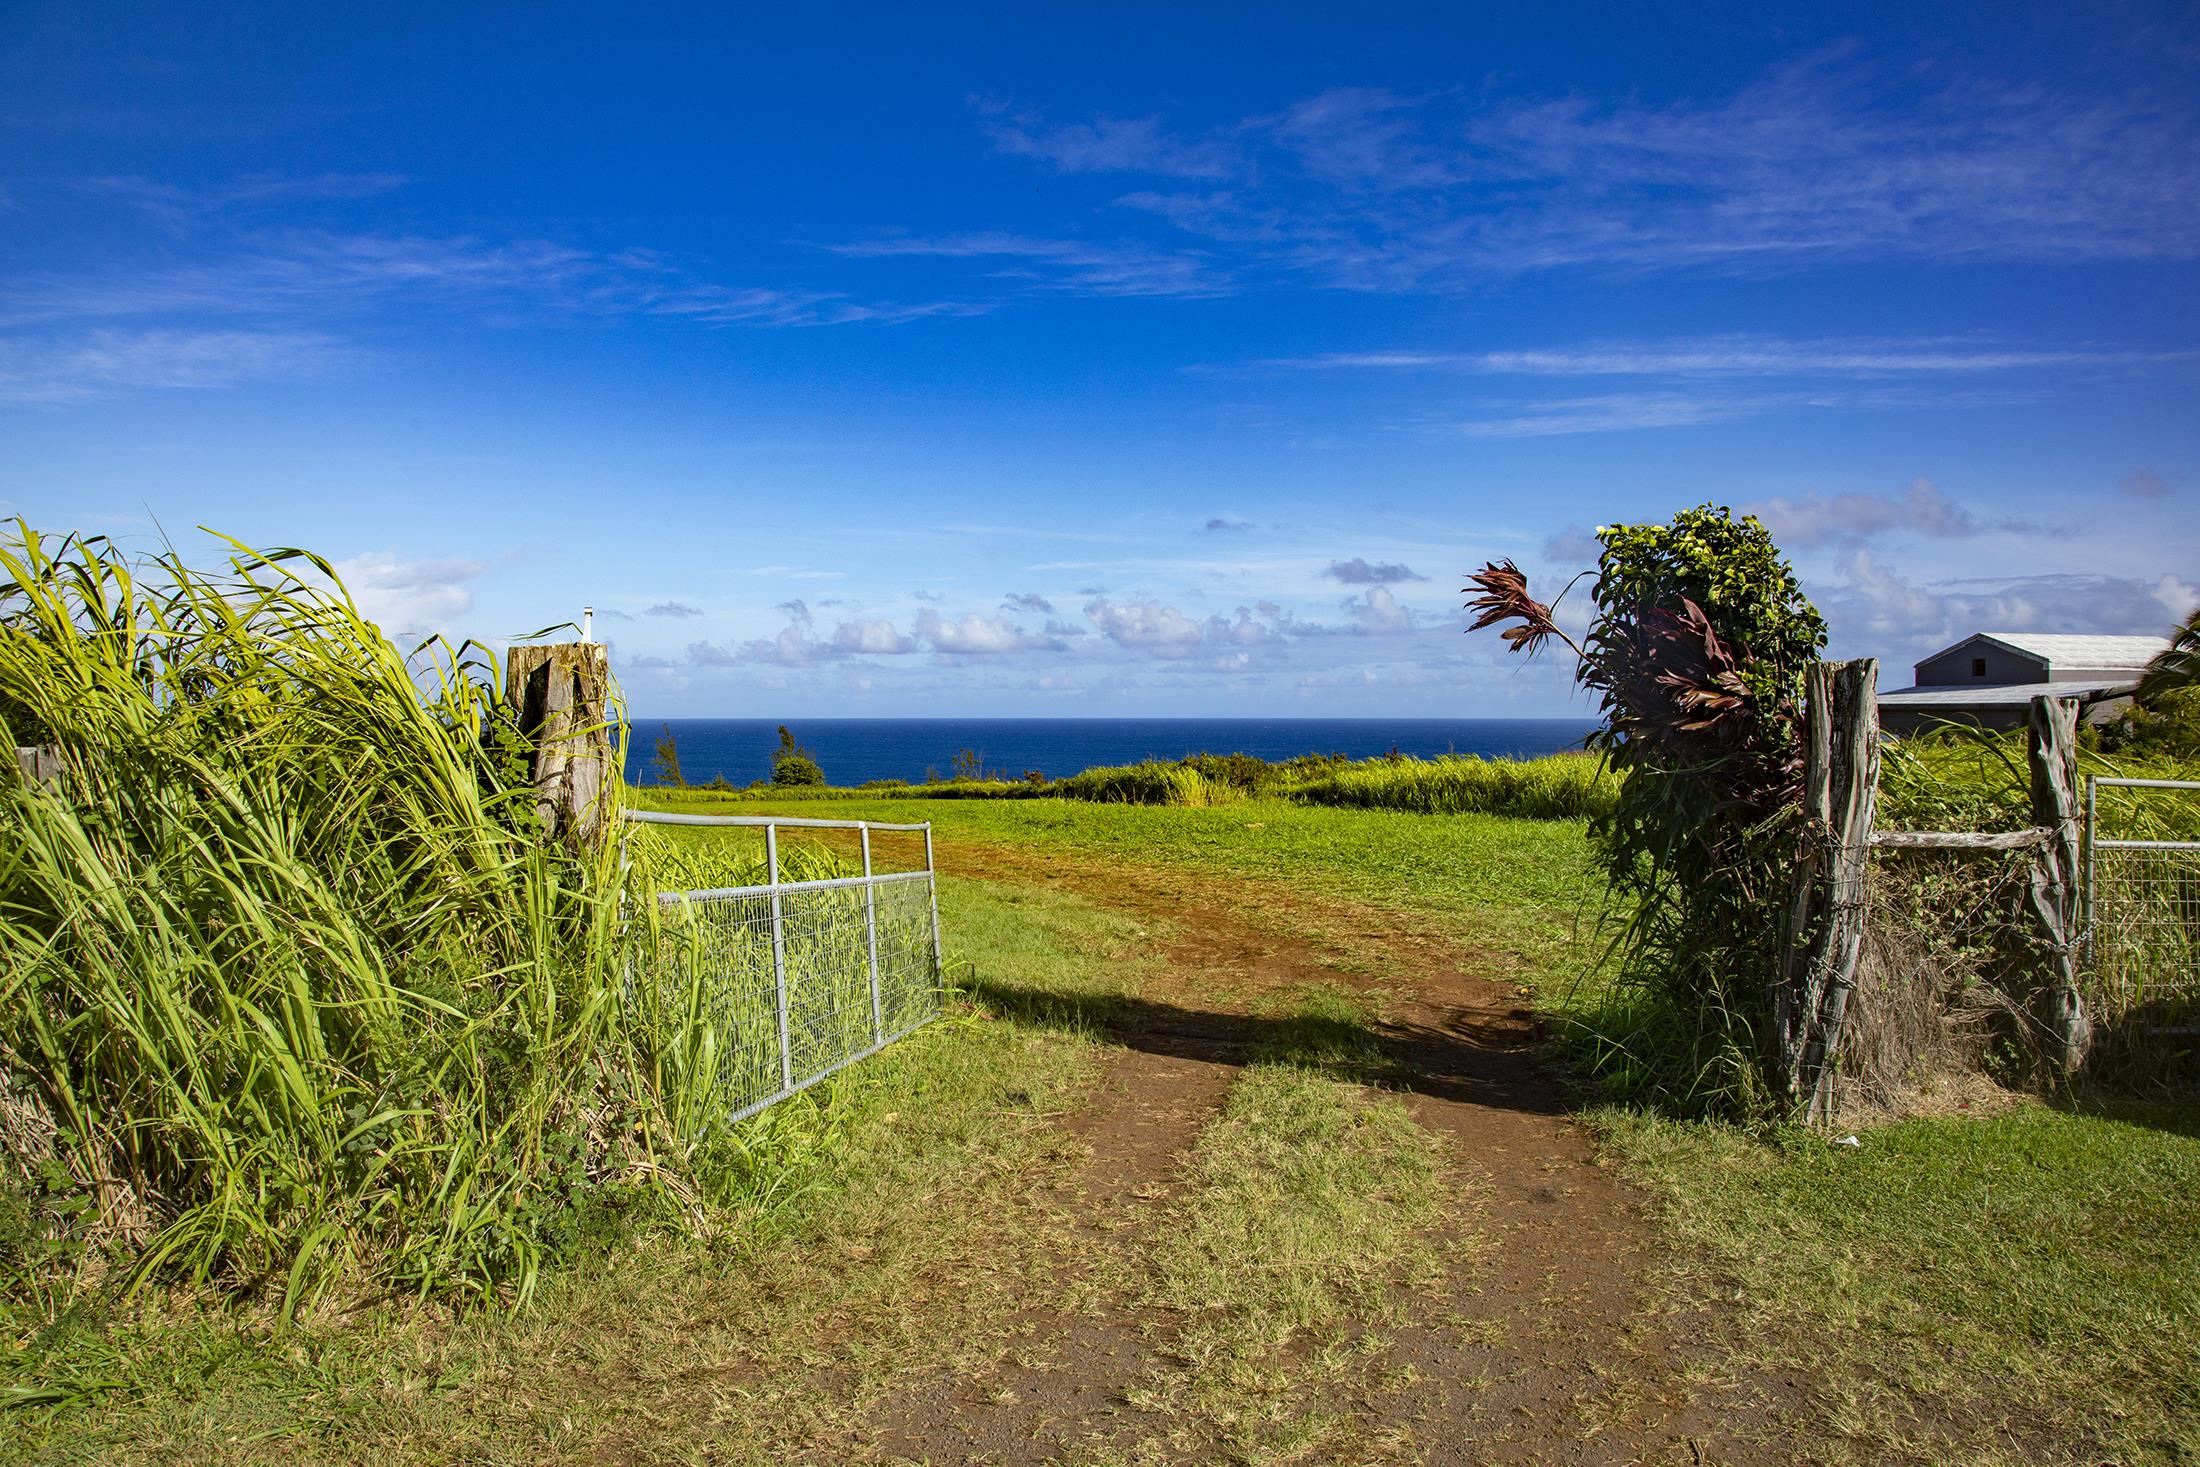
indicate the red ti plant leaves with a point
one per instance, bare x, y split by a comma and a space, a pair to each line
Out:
1504, 597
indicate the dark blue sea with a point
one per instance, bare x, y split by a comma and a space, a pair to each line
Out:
853, 750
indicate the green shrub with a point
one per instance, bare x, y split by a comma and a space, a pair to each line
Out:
792, 765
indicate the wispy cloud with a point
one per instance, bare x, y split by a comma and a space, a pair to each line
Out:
1110, 269
50, 368
1821, 160
673, 609
1615, 413
1220, 526
1106, 145
178, 205
1740, 356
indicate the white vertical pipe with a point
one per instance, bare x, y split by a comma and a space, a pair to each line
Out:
932, 884
779, 956
870, 929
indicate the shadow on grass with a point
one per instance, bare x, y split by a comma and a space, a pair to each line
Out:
1471, 1057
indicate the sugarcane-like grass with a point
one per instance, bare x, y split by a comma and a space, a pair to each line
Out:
292, 990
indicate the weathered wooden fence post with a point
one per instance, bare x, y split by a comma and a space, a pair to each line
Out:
2053, 893
1826, 919
39, 765
561, 692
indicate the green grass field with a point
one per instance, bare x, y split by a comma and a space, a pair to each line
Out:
2018, 1286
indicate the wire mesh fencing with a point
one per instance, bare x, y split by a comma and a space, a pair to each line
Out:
789, 982
2143, 914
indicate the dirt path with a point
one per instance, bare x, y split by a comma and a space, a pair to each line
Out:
1541, 1345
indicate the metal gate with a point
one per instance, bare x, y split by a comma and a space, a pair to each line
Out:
802, 978
2142, 886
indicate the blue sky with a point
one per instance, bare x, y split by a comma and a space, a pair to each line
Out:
996, 362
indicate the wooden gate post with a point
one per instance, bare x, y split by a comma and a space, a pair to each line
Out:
561, 692
2053, 893
39, 765
1840, 796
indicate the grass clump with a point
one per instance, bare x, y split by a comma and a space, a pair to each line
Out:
291, 988
1557, 787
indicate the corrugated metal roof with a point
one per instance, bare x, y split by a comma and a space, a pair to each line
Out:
2068, 651
1996, 695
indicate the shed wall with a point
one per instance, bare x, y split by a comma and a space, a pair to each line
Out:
1953, 667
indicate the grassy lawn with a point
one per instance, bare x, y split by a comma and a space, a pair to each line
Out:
2006, 1287
1955, 1287
912, 1191
1519, 891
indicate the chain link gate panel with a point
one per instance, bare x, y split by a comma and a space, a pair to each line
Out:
799, 979
2143, 905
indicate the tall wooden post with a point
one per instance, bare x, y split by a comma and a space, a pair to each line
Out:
562, 694
2052, 897
1826, 920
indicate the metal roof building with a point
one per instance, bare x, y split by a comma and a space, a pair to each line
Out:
1989, 679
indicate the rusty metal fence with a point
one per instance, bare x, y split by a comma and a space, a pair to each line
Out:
801, 978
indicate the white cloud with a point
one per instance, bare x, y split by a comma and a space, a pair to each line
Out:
1874, 609
1144, 624
980, 636
1378, 614
1921, 509
872, 637
409, 597
1359, 572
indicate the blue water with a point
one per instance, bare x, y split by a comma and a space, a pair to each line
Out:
852, 750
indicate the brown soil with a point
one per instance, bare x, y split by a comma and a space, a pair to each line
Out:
1546, 1341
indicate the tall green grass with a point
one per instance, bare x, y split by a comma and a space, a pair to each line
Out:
291, 989
1556, 787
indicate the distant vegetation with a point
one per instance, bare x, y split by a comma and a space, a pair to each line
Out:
1555, 787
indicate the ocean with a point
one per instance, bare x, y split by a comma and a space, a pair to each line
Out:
853, 750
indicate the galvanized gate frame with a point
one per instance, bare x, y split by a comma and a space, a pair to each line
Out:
2095, 842
776, 891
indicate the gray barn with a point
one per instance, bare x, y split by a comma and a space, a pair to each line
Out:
1989, 679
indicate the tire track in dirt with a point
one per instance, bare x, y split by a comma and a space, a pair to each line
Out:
1543, 1345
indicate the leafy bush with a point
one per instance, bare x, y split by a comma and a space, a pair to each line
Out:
1697, 655
792, 765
